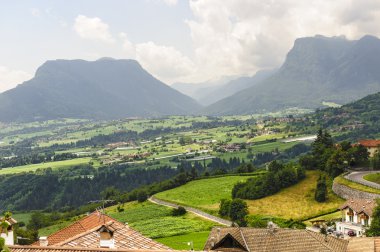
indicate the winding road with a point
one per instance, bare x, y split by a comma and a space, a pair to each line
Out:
192, 210
357, 176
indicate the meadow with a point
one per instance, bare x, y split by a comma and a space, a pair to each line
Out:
296, 202
204, 194
53, 165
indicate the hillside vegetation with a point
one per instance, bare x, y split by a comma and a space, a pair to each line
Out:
295, 202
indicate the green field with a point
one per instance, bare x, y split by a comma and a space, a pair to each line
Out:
183, 242
375, 177
296, 202
53, 165
204, 194
156, 221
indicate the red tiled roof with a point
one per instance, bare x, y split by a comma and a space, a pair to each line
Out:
84, 234
370, 143
17, 248
81, 226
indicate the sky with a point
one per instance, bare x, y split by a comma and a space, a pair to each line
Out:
189, 41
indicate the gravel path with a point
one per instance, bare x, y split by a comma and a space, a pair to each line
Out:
192, 210
357, 176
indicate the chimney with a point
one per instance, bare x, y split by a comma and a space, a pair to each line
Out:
106, 238
218, 234
44, 241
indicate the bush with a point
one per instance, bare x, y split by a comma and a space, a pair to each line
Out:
321, 190
224, 207
179, 211
142, 196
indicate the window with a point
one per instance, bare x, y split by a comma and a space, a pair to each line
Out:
351, 218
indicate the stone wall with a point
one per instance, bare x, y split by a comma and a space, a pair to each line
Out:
346, 192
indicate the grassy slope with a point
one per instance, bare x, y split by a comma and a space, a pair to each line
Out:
204, 194
53, 165
295, 202
375, 177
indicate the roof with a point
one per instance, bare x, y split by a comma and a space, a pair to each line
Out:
280, 239
9, 220
84, 234
366, 206
370, 143
362, 244
17, 248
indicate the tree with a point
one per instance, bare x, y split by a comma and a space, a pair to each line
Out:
321, 189
374, 229
224, 207
142, 196
336, 164
239, 211
4, 229
375, 161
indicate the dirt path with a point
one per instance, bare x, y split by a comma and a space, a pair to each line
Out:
192, 210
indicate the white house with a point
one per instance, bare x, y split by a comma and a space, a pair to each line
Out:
8, 234
356, 216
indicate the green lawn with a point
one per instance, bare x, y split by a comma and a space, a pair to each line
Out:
204, 194
375, 177
22, 217
326, 217
183, 242
53, 165
54, 228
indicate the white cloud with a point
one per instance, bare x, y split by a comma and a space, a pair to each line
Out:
239, 37
35, 12
166, 63
170, 2
93, 29
9, 78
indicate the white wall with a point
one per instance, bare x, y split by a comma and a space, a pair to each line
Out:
8, 238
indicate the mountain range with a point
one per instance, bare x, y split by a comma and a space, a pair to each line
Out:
102, 89
316, 70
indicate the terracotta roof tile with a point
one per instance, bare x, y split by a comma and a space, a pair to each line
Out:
370, 143
84, 233
18, 248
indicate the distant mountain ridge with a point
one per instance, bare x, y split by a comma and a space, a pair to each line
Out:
316, 69
102, 89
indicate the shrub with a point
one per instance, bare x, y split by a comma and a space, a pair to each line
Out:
179, 211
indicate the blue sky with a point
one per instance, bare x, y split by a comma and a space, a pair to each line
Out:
175, 40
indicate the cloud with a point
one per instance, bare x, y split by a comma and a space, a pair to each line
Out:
9, 78
239, 37
35, 12
170, 2
165, 62
93, 29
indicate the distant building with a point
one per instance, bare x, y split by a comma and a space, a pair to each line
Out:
372, 146
356, 216
8, 234
234, 239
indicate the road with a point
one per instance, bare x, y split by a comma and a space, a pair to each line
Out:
192, 210
357, 176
